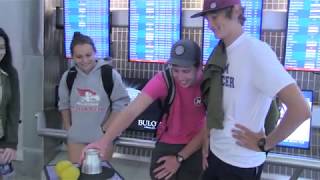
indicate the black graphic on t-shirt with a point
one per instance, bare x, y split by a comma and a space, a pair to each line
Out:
226, 80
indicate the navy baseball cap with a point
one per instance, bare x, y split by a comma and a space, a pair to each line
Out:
185, 53
214, 5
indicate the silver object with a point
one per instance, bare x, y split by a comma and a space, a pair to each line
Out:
92, 163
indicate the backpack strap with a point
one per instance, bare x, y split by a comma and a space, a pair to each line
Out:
165, 105
107, 79
167, 76
106, 76
107, 82
72, 73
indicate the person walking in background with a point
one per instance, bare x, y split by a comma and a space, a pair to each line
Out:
177, 154
241, 78
9, 108
85, 105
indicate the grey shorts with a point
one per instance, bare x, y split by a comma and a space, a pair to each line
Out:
190, 169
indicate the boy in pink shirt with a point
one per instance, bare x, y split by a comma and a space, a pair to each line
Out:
186, 114
177, 155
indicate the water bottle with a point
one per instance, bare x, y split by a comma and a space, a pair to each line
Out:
7, 172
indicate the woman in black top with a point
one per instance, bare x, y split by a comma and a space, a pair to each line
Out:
9, 106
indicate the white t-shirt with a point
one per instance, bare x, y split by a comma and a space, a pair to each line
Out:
252, 77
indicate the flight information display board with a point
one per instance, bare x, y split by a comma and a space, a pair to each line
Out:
154, 25
303, 36
252, 26
90, 17
300, 138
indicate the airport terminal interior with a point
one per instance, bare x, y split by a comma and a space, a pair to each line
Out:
40, 32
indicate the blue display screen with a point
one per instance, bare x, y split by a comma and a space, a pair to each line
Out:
90, 17
153, 27
252, 26
300, 138
303, 36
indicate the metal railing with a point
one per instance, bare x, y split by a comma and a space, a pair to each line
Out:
298, 162
48, 132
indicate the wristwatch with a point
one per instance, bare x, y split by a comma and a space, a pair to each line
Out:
261, 144
179, 158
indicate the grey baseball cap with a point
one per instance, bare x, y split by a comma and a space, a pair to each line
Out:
185, 53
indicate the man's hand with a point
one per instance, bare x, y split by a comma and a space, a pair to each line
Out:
169, 167
99, 145
246, 138
7, 155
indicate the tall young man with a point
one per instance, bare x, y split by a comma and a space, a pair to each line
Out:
250, 78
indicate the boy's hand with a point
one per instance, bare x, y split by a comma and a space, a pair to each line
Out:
99, 145
247, 138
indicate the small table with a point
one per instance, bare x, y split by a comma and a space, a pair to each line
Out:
51, 173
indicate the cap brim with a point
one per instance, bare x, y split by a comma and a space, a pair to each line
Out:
198, 15
203, 13
178, 62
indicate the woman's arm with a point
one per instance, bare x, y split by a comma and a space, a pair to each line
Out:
119, 99
64, 102
66, 118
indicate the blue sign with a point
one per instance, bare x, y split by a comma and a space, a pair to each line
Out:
90, 17
303, 36
154, 25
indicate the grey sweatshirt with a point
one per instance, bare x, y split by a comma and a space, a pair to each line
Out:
89, 103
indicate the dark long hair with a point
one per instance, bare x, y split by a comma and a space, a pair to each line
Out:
6, 62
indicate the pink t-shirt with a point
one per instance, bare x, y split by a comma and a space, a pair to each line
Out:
187, 112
